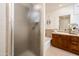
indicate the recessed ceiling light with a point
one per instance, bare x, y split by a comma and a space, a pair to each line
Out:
60, 5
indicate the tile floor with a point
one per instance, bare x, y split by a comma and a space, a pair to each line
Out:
53, 51
27, 53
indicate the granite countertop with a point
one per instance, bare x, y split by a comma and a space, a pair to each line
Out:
62, 33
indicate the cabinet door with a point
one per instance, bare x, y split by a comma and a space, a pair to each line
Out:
56, 40
65, 41
60, 42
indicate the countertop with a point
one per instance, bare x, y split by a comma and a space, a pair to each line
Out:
62, 33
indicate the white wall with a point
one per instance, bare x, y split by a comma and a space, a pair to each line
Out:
2, 29
75, 14
54, 16
75, 19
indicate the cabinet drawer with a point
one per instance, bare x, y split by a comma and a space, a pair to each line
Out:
74, 47
74, 43
76, 39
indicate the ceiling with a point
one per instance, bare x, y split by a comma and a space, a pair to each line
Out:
54, 6
49, 6
26, 4
30, 4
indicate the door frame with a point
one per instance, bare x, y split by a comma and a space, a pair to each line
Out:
10, 29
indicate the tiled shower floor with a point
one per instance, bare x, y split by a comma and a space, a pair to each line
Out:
27, 53
53, 51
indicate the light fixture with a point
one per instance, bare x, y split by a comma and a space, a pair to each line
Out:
37, 7
60, 5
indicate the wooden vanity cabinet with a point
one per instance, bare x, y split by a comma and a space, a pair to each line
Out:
60, 41
57, 40
66, 42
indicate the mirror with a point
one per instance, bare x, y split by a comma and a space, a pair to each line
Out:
63, 23
67, 25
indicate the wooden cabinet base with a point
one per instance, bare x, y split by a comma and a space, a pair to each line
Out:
66, 42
